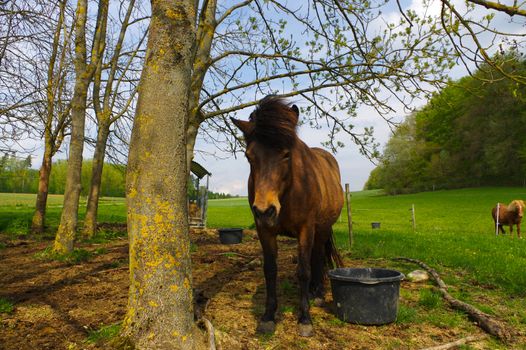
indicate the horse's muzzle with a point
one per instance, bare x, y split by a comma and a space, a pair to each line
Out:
266, 217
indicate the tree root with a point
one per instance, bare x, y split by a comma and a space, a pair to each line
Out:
483, 320
454, 344
211, 333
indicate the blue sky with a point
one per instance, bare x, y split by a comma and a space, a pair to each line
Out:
230, 174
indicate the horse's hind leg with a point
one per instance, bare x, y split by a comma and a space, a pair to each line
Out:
317, 263
305, 244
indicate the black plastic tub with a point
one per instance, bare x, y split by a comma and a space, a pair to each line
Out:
230, 235
367, 296
375, 225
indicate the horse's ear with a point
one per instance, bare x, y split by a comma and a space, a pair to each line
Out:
245, 127
296, 110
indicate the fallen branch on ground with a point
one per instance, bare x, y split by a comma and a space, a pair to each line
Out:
469, 339
484, 321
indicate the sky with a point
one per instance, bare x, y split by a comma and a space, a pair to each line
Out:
230, 173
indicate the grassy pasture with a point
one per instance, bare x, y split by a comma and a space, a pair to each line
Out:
454, 234
454, 228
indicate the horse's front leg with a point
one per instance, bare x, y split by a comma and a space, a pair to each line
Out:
511, 230
268, 242
519, 229
305, 243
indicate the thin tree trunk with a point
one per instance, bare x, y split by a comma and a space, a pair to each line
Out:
201, 63
191, 136
84, 74
90, 221
52, 89
68, 220
160, 306
38, 222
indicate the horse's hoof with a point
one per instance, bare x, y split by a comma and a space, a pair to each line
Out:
305, 330
318, 301
266, 327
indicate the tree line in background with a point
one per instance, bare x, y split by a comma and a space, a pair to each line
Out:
471, 133
17, 176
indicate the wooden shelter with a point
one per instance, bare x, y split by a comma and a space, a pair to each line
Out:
198, 196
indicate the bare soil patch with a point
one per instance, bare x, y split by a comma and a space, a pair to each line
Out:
57, 305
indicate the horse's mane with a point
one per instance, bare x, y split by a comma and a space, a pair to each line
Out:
514, 205
275, 123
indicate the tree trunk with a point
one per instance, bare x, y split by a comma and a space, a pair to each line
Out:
38, 222
191, 136
90, 221
84, 74
68, 220
205, 35
160, 305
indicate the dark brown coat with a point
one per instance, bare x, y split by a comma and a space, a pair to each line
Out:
293, 190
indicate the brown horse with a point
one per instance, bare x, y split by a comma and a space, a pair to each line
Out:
293, 190
509, 215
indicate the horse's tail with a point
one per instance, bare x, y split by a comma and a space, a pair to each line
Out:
333, 257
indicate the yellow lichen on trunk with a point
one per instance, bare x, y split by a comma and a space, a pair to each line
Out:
160, 305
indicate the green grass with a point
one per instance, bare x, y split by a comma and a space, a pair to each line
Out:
430, 299
233, 212
104, 333
16, 211
6, 307
76, 257
454, 229
104, 236
406, 314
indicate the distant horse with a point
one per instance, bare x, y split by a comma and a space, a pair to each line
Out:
293, 190
509, 215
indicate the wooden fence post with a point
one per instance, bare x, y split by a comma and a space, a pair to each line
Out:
413, 217
349, 215
497, 221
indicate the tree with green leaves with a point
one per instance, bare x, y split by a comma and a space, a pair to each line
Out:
469, 134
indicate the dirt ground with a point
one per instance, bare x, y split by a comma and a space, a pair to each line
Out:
57, 305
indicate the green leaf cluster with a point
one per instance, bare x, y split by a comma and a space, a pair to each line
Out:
113, 178
16, 174
470, 134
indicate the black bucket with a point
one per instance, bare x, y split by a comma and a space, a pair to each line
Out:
375, 225
230, 235
367, 296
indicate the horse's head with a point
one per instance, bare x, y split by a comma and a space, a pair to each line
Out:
270, 135
518, 207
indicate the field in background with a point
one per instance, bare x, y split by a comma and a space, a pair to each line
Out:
453, 228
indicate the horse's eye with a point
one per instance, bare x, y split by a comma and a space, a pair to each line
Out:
286, 156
